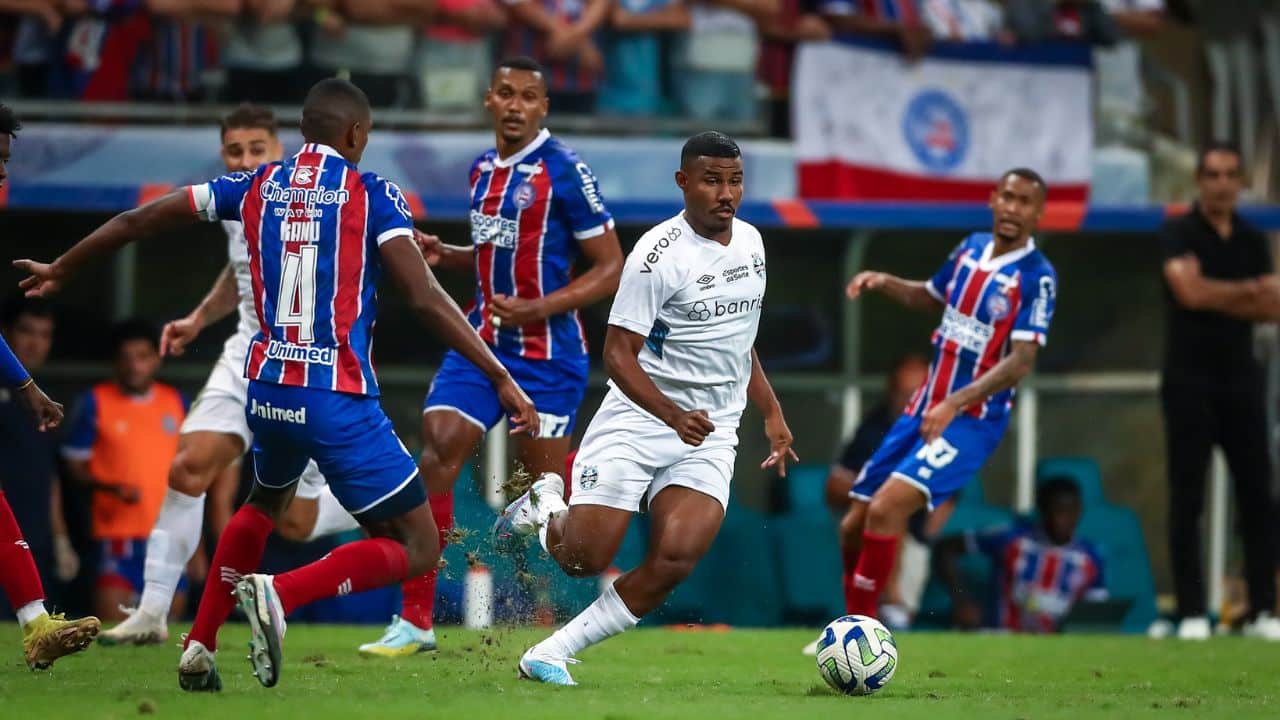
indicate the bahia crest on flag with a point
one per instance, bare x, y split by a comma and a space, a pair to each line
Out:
870, 125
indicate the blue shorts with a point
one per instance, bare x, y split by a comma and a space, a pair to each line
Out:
350, 438
555, 386
939, 469
123, 563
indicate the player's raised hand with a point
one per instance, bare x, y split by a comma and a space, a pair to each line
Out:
693, 426
524, 416
42, 280
48, 413
936, 420
430, 245
864, 281
177, 335
780, 439
513, 311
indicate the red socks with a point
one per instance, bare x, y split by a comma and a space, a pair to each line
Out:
18, 575
351, 568
875, 561
239, 553
420, 592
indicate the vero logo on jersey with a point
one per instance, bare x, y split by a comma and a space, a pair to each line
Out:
663, 243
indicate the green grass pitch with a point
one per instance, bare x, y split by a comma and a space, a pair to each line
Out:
650, 674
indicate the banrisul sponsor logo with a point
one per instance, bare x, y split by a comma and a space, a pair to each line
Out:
655, 253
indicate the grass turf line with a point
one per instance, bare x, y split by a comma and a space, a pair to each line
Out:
653, 674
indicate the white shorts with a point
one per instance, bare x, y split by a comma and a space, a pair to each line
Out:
628, 456
219, 408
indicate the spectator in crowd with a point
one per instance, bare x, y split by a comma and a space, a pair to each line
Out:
262, 53
560, 34
798, 22
637, 70
371, 43
717, 73
121, 440
182, 48
1042, 569
95, 51
964, 20
38, 24
454, 57
28, 457
1219, 280
897, 20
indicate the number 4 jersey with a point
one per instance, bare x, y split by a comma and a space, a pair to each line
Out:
312, 225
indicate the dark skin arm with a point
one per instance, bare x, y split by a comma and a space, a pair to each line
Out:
621, 359
761, 394
169, 212
1255, 299
1019, 363
440, 314
218, 303
911, 293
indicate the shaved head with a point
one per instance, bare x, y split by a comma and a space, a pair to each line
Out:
332, 107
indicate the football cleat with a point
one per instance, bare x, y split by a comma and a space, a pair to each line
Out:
50, 637
545, 668
520, 518
402, 638
140, 628
197, 671
1194, 628
1266, 626
257, 597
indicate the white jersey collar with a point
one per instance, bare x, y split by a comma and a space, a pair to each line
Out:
524, 153
986, 263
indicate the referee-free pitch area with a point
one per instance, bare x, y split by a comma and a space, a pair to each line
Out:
662, 673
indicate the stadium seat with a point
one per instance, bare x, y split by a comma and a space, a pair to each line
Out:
808, 559
806, 489
1118, 535
972, 513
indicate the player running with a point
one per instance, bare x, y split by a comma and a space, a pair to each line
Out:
535, 210
45, 637
681, 366
215, 434
320, 234
996, 292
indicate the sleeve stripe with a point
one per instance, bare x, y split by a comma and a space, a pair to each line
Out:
928, 286
393, 233
594, 232
628, 324
1028, 336
202, 204
75, 453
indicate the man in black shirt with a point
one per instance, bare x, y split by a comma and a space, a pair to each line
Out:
1219, 281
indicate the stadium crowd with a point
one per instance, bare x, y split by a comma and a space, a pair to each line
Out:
723, 59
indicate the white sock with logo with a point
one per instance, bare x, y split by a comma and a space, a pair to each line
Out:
172, 542
549, 505
331, 518
30, 612
604, 618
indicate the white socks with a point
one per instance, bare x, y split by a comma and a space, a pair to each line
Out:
30, 612
331, 518
548, 504
172, 542
604, 618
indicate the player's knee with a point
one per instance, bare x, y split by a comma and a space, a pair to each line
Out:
582, 565
423, 555
671, 568
885, 517
190, 473
295, 526
851, 525
438, 472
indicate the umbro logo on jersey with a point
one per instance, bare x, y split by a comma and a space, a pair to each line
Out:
707, 280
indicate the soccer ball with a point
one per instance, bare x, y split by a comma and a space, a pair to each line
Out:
857, 655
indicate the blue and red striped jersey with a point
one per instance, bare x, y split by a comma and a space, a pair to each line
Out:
989, 303
313, 224
1037, 582
528, 214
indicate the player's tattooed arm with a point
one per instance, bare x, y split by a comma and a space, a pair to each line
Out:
621, 359
1019, 363
761, 394
169, 212
911, 293
441, 314
217, 304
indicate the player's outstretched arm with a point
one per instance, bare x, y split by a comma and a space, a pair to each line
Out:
621, 359
165, 213
440, 313
761, 394
217, 304
1019, 363
598, 282
442, 255
911, 293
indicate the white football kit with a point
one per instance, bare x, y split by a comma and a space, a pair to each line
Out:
698, 302
219, 407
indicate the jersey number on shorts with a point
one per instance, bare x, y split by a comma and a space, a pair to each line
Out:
938, 454
296, 306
